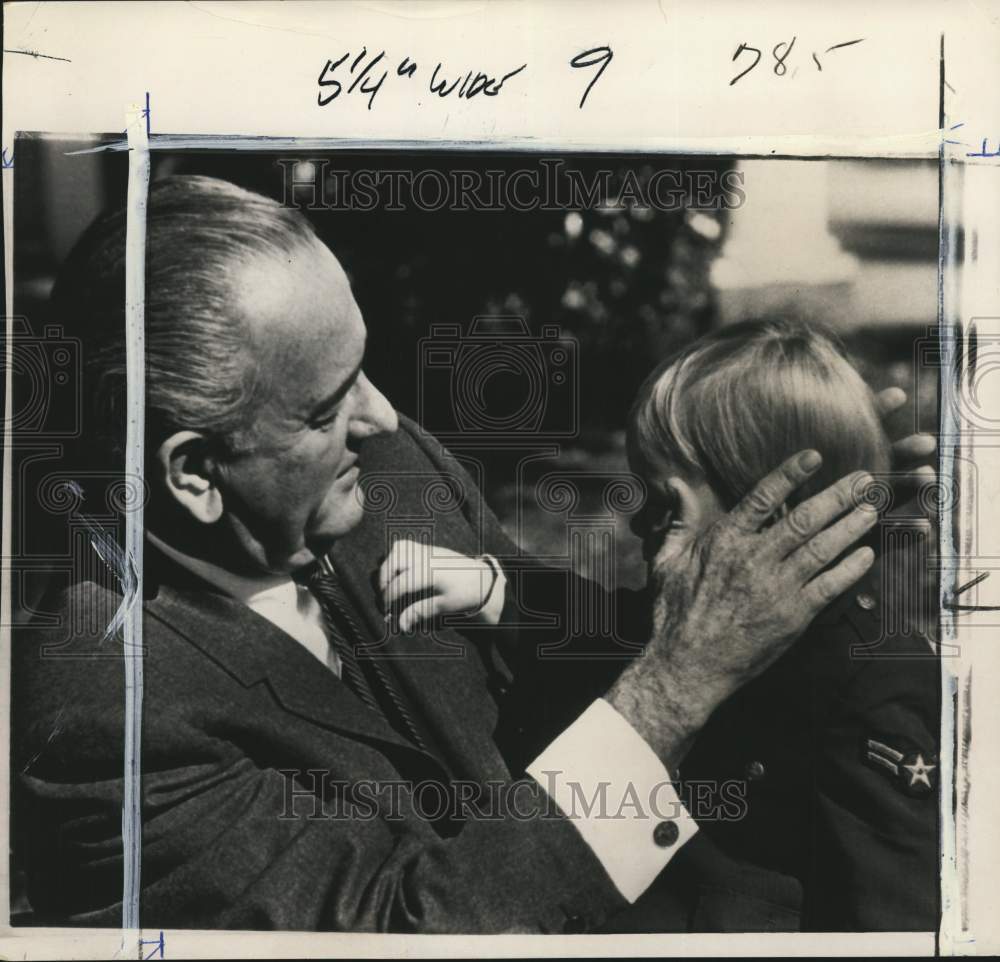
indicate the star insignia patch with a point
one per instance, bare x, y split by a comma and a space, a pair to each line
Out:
920, 772
914, 773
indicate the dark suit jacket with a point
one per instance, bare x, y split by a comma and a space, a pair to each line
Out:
230, 703
801, 828
819, 747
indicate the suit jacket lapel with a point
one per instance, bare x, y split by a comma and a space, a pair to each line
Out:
253, 650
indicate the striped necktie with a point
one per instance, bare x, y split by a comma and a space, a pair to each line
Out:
365, 677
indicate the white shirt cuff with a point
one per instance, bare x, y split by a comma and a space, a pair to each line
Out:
616, 791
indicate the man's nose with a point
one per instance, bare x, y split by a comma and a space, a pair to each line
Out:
374, 414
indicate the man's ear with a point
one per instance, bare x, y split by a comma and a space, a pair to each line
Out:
186, 475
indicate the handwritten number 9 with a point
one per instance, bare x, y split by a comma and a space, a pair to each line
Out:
590, 58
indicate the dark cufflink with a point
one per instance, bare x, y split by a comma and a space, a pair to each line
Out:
666, 834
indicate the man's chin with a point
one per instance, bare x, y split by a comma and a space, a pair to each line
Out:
326, 534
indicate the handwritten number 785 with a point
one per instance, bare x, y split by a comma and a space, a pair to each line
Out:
781, 51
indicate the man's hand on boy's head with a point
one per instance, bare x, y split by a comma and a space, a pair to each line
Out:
736, 599
419, 582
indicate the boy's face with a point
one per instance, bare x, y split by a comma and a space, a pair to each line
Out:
679, 506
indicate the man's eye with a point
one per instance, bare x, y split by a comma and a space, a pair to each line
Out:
327, 419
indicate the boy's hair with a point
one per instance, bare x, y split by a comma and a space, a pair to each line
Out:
733, 405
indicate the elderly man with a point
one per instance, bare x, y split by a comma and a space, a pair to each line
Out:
284, 776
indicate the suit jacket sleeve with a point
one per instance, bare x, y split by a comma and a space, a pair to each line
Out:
230, 841
334, 867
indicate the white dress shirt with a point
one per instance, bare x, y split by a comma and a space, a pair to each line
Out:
286, 604
600, 772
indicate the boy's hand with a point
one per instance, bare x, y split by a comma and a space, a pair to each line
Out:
912, 456
422, 581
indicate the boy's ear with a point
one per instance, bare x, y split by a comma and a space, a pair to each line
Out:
185, 470
698, 506
689, 506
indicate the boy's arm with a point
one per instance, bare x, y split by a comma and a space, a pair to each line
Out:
876, 863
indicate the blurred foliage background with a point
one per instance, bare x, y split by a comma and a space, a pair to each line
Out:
624, 285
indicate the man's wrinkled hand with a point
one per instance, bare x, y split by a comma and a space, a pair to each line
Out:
738, 595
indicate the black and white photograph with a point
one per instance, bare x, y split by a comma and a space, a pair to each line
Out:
487, 539
438, 455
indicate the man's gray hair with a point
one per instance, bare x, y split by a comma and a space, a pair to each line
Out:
200, 368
